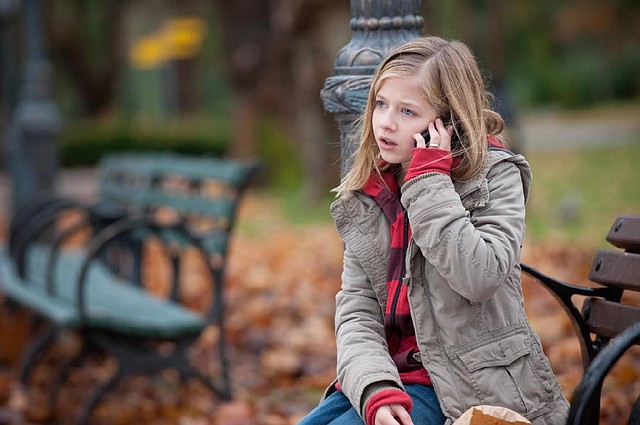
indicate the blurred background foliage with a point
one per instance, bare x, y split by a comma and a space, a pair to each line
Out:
242, 78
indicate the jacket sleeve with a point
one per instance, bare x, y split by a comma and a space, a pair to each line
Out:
362, 354
474, 251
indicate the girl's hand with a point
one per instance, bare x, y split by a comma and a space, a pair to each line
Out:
419, 141
393, 414
440, 137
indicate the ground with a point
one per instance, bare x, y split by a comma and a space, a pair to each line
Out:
282, 281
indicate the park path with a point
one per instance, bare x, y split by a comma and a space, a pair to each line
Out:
550, 129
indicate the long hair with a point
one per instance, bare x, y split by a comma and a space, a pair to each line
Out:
452, 83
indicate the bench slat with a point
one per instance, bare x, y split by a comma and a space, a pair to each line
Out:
609, 318
145, 181
625, 233
61, 312
616, 269
164, 164
155, 198
112, 302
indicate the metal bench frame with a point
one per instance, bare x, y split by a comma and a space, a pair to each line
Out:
122, 222
605, 326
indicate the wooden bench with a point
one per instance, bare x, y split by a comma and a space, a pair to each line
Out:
139, 275
606, 325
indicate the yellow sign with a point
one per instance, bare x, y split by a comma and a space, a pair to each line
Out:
179, 38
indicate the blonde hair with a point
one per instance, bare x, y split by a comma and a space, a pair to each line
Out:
452, 83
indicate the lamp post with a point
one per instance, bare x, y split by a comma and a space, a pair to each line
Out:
378, 27
8, 9
31, 149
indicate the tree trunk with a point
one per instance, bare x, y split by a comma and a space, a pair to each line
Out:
97, 80
247, 45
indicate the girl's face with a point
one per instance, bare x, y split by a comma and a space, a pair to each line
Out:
400, 112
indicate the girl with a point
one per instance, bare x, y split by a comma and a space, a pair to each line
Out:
430, 318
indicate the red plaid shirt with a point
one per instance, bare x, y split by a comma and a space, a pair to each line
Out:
400, 333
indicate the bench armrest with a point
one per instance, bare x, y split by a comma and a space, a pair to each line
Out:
20, 218
564, 292
165, 232
26, 230
99, 215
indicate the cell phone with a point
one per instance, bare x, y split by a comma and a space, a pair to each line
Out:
425, 134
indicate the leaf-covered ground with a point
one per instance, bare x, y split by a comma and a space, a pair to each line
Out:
282, 280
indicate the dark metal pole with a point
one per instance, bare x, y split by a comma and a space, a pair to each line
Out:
378, 27
8, 9
31, 149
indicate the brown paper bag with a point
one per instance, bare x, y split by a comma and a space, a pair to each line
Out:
490, 415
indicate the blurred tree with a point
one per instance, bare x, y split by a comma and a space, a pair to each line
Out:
86, 42
304, 33
276, 55
573, 53
185, 68
248, 47
277, 59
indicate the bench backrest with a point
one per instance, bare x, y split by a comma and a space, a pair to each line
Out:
619, 269
611, 308
201, 191
607, 315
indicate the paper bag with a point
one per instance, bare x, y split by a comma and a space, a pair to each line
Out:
490, 415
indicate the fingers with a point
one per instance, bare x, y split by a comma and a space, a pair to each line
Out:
440, 136
393, 414
419, 141
401, 415
384, 416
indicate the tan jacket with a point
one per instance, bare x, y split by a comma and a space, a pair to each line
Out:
464, 290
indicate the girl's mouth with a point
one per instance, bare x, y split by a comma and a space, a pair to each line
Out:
386, 143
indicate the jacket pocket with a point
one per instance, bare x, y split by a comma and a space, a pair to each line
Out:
501, 373
474, 196
498, 353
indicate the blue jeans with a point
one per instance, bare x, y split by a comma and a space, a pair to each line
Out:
337, 410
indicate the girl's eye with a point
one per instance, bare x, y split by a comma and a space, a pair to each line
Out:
407, 112
380, 104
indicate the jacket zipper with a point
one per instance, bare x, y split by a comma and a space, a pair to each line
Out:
405, 244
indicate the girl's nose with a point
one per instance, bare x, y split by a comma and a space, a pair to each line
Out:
387, 121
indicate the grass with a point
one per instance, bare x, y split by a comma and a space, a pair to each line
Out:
299, 210
577, 193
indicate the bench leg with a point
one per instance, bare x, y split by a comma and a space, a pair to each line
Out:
223, 389
35, 350
226, 380
96, 395
222, 340
634, 418
180, 361
64, 371
135, 356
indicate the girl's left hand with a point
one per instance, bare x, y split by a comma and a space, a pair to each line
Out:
440, 137
392, 414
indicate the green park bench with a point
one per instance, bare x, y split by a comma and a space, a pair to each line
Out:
95, 285
606, 325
